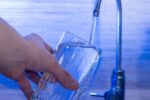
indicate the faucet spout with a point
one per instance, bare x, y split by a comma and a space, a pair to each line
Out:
119, 35
97, 8
94, 21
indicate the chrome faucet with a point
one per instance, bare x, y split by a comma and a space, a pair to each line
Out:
94, 21
117, 90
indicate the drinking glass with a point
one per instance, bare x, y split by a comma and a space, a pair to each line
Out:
77, 57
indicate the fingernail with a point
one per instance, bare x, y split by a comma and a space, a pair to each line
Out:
74, 85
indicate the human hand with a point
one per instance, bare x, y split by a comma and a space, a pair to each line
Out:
57, 73
21, 58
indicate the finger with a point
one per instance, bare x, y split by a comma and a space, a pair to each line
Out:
35, 39
49, 77
51, 65
33, 36
54, 80
38, 40
50, 49
34, 76
66, 80
25, 86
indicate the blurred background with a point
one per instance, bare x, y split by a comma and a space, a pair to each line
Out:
50, 18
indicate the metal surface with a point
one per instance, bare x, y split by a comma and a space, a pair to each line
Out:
97, 8
94, 21
117, 90
119, 35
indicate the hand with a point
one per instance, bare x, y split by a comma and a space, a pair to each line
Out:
21, 58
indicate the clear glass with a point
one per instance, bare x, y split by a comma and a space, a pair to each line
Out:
80, 60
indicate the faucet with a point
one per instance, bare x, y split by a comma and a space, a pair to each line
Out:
117, 90
94, 21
